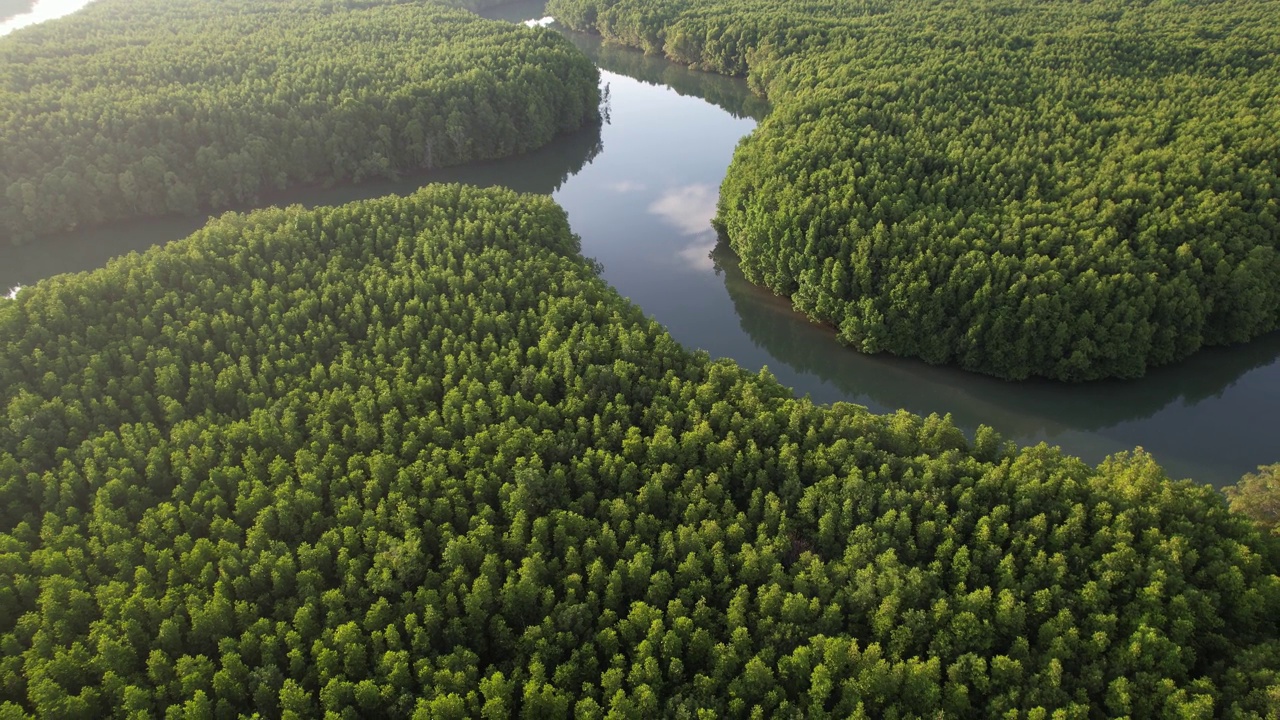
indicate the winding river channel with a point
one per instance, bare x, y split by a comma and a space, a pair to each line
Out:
641, 189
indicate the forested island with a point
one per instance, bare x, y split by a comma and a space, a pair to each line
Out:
152, 107
1059, 189
412, 457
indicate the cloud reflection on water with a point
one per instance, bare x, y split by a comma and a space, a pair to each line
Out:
698, 255
42, 10
689, 208
627, 186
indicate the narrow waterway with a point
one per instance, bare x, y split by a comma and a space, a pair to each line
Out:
641, 190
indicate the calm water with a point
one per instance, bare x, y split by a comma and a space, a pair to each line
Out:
16, 14
641, 190
10, 8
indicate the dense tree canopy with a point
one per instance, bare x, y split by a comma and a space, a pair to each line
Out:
1257, 496
412, 456
145, 107
1071, 190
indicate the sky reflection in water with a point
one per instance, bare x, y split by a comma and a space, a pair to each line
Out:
41, 11
689, 208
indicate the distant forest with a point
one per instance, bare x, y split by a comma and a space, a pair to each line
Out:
134, 108
412, 457
1060, 189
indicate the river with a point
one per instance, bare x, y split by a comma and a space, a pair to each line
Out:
640, 191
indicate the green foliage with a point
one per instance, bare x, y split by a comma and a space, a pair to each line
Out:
146, 107
412, 457
1257, 496
1070, 190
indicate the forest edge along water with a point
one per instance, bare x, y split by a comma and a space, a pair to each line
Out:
640, 191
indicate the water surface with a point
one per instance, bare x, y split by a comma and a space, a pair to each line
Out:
17, 14
9, 8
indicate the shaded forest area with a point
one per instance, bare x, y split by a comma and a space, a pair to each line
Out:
412, 457
150, 107
1058, 189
